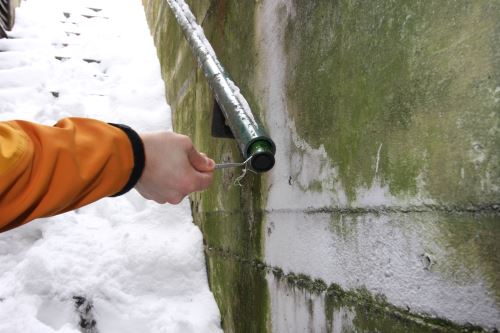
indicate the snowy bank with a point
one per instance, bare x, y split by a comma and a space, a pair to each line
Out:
134, 265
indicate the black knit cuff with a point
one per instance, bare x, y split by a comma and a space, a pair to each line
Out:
139, 158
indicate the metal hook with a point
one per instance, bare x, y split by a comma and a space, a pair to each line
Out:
233, 165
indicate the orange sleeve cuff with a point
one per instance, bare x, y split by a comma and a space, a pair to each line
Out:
50, 170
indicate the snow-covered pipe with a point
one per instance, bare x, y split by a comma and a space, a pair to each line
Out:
252, 138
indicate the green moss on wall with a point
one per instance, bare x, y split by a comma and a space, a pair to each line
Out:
240, 290
472, 247
363, 311
229, 216
370, 313
414, 80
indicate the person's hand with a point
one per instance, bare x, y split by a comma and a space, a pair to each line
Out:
174, 168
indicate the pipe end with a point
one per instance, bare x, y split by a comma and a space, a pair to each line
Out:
262, 152
262, 161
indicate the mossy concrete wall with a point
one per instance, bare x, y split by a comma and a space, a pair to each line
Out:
382, 213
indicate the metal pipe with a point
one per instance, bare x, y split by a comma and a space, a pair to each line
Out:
251, 137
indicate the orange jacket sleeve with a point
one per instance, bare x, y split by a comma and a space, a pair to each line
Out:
47, 170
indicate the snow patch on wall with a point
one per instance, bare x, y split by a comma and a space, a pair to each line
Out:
383, 253
298, 166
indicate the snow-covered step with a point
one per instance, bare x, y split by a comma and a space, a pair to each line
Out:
14, 94
23, 44
25, 76
14, 59
87, 60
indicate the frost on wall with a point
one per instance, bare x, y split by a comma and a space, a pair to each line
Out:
384, 201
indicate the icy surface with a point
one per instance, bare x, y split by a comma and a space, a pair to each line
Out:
140, 265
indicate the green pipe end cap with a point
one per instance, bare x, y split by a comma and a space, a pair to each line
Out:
262, 156
262, 162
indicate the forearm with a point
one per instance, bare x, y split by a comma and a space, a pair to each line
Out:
49, 170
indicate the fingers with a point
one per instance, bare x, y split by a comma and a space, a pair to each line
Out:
200, 161
196, 181
172, 197
174, 168
203, 180
166, 196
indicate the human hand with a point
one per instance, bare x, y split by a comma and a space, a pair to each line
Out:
174, 168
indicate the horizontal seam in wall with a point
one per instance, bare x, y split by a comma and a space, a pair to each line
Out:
319, 287
493, 208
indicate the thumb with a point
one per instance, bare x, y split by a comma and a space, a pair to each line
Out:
199, 161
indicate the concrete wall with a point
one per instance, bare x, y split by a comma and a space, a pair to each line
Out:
382, 213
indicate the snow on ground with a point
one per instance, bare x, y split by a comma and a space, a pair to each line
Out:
137, 266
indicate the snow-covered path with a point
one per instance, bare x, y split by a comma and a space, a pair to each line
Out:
137, 266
